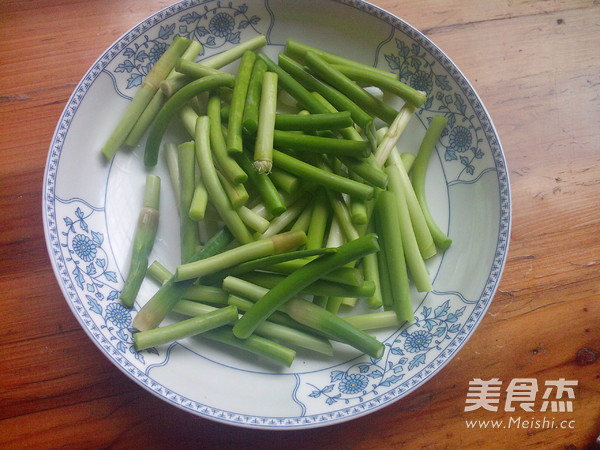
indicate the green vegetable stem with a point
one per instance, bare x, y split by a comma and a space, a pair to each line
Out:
238, 99
213, 185
388, 143
322, 177
172, 106
419, 171
301, 278
384, 82
185, 328
269, 330
313, 122
188, 228
401, 185
388, 221
360, 96
143, 241
297, 50
194, 69
264, 185
415, 262
319, 287
256, 345
159, 305
338, 99
210, 65
228, 166
263, 147
250, 116
293, 86
279, 243
319, 144
143, 96
313, 316
146, 118
235, 52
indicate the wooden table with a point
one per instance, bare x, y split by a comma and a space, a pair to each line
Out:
536, 65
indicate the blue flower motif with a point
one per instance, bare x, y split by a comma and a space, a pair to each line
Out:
84, 247
221, 25
156, 51
118, 315
418, 341
353, 384
460, 139
422, 81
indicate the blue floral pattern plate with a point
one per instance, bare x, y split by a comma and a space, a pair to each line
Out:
90, 209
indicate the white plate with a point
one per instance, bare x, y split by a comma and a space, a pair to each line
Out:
90, 210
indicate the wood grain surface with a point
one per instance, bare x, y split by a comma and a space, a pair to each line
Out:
536, 66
